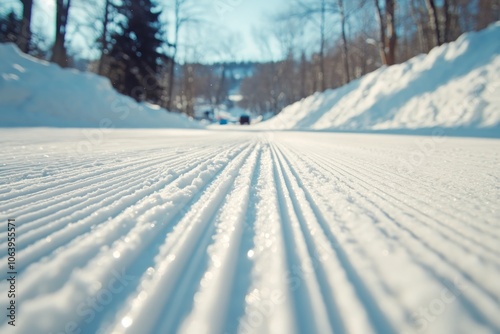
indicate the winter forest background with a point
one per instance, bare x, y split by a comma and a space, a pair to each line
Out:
161, 51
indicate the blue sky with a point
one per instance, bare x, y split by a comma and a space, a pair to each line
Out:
230, 24
247, 16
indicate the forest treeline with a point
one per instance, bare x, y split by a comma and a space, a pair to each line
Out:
314, 45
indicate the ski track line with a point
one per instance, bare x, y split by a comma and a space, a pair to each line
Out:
241, 277
62, 237
267, 304
127, 163
150, 253
374, 313
336, 267
392, 203
436, 204
88, 182
91, 199
201, 258
409, 182
176, 255
250, 232
123, 245
212, 296
426, 247
330, 240
490, 253
464, 300
307, 297
370, 186
35, 192
307, 231
438, 201
131, 166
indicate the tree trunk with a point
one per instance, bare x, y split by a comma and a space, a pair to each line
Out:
189, 90
171, 72
422, 42
446, 33
382, 45
388, 35
104, 42
25, 38
220, 87
321, 73
391, 31
171, 82
433, 21
344, 41
59, 52
303, 75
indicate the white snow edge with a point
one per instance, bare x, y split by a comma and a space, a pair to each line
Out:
454, 87
37, 93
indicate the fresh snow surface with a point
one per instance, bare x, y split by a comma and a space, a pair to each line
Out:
197, 231
455, 87
37, 93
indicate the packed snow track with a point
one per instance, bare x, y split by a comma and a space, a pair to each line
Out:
186, 231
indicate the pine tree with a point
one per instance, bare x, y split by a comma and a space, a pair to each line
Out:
10, 28
134, 55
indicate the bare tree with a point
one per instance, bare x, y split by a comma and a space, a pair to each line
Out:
488, 11
228, 48
446, 31
174, 45
315, 12
420, 23
322, 25
183, 14
25, 38
59, 51
388, 36
433, 21
103, 40
391, 32
187, 96
345, 51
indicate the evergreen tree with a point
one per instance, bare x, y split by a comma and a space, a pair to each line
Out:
10, 28
134, 58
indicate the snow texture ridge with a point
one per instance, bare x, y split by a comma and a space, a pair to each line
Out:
38, 93
185, 231
455, 86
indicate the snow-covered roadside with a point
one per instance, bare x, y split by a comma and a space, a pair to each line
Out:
37, 93
157, 231
455, 87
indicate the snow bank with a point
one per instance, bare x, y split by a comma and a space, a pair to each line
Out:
37, 93
456, 87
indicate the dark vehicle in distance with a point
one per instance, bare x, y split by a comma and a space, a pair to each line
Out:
244, 119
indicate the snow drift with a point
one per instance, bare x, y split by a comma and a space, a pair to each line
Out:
456, 87
38, 93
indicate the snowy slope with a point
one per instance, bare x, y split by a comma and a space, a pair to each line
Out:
37, 93
156, 231
455, 86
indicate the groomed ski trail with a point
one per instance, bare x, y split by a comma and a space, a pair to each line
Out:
165, 231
